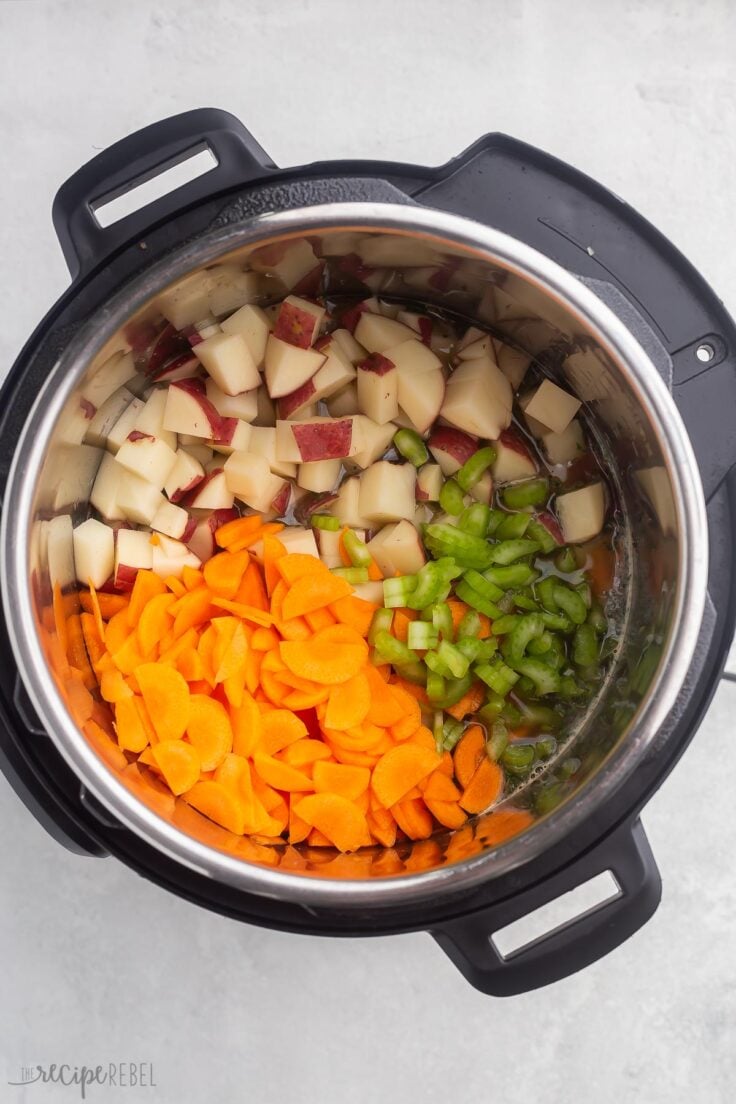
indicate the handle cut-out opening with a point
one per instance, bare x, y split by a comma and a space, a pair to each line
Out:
556, 915
160, 182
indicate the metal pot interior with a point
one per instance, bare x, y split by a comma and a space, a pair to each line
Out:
468, 272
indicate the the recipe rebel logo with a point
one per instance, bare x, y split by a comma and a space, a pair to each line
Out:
113, 1075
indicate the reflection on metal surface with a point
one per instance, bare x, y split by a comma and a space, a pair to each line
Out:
534, 309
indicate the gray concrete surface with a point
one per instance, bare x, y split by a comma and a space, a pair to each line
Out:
98, 965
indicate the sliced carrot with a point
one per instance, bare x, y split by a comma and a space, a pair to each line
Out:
273, 551
469, 753
298, 828
174, 583
128, 656
300, 700
400, 627
248, 613
166, 695
113, 687
117, 631
215, 801
147, 585
209, 730
252, 590
224, 572
294, 629
169, 653
399, 770
231, 648
355, 612
320, 661
303, 753
154, 622
189, 665
470, 703
105, 747
348, 703
252, 671
92, 638
503, 824
191, 610
438, 787
178, 762
417, 692
406, 727
319, 619
264, 640
95, 610
385, 708
237, 529
312, 592
341, 779
247, 727
336, 818
280, 728
192, 577
413, 818
382, 826
280, 775
295, 565
484, 787
107, 604
256, 537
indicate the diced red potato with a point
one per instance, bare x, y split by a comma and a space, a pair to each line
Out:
582, 513
263, 443
420, 323
107, 416
229, 362
250, 479
344, 402
185, 475
188, 410
243, 406
133, 553
74, 421
346, 505
237, 441
202, 540
514, 459
298, 321
387, 492
329, 548
482, 347
552, 525
535, 427
391, 251
266, 413
173, 521
187, 302
429, 483
331, 377
317, 439
377, 333
196, 447
398, 547
296, 539
350, 348
513, 362
110, 376
478, 399
75, 469
147, 457
104, 494
378, 388
376, 440
288, 367
471, 335
370, 592
563, 448
118, 434
252, 324
183, 366
451, 448
230, 288
319, 475
170, 557
137, 498
290, 262
151, 418
213, 493
94, 552
552, 406
421, 397
60, 550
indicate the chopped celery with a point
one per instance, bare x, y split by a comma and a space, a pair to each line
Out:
482, 585
509, 550
324, 521
544, 679
353, 575
532, 492
475, 519
471, 647
451, 498
513, 575
527, 627
396, 591
518, 758
545, 747
356, 549
557, 622
469, 625
413, 672
505, 624
436, 665
453, 658
545, 591
432, 583
475, 468
539, 532
513, 527
381, 622
566, 561
452, 731
491, 711
456, 689
471, 597
442, 620
393, 650
570, 602
497, 741
411, 446
541, 644
497, 516
447, 540
497, 675
585, 646
524, 602
436, 687
421, 635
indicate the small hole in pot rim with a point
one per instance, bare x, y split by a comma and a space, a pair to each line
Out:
705, 353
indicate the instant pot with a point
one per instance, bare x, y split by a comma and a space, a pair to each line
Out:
563, 271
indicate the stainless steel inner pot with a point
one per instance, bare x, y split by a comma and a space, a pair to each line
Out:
413, 254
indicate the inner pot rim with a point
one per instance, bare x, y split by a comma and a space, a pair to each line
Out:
493, 247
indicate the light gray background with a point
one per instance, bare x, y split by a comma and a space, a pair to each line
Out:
98, 965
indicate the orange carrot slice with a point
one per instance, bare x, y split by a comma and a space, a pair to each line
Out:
280, 775
348, 703
341, 779
215, 801
484, 787
224, 572
166, 695
107, 604
248, 613
319, 619
252, 590
470, 703
237, 529
147, 585
469, 753
114, 688
264, 640
313, 592
179, 764
399, 770
303, 753
209, 730
337, 819
297, 565
438, 787
279, 728
247, 727
413, 818
320, 661
191, 610
355, 612
273, 551
154, 622
448, 813
131, 733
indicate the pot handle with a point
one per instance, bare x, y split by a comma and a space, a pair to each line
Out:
141, 157
468, 940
